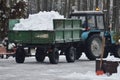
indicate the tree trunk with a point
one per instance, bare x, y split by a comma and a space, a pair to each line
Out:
38, 5
116, 15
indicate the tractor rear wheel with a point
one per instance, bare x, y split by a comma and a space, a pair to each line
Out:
94, 47
117, 53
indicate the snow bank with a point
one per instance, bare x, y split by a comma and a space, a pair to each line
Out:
39, 21
83, 56
91, 76
112, 58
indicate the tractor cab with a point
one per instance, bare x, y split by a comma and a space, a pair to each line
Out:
90, 19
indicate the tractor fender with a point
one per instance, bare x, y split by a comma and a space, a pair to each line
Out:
87, 34
84, 35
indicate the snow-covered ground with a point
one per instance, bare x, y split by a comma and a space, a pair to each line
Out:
91, 75
82, 69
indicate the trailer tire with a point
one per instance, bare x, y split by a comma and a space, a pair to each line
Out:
20, 55
40, 55
54, 56
93, 46
70, 54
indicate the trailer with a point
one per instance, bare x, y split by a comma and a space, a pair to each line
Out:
62, 40
82, 32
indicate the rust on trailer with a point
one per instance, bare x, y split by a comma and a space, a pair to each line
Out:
4, 51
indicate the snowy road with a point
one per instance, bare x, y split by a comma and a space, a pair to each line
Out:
83, 69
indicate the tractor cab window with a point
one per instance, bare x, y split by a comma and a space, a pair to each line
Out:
91, 21
100, 23
83, 19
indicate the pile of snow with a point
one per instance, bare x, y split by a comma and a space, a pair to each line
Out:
112, 58
90, 76
39, 21
83, 57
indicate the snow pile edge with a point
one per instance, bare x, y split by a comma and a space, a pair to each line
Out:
40, 21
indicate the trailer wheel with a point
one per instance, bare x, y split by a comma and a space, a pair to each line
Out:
20, 55
94, 47
54, 56
40, 55
71, 54
117, 53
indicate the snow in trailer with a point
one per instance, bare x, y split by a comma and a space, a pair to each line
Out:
40, 21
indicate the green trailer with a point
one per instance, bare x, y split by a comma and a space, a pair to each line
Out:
65, 30
63, 39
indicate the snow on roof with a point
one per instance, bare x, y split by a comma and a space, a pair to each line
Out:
87, 12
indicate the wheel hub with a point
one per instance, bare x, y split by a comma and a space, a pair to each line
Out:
96, 47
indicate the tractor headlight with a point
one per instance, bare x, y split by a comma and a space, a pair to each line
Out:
118, 40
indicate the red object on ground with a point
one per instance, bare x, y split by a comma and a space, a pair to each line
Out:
99, 72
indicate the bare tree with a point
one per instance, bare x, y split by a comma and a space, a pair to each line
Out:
116, 14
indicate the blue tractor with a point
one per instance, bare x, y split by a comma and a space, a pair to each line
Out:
92, 31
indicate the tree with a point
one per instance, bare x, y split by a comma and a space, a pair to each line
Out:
19, 10
116, 15
4, 16
10, 12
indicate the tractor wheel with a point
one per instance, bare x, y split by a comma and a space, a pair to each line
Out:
54, 56
40, 55
20, 55
105, 53
117, 53
70, 54
94, 47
